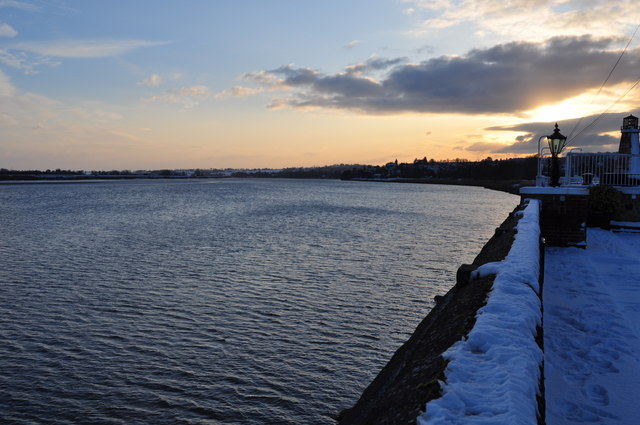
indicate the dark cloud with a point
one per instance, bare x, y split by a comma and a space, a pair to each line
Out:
350, 85
374, 64
507, 78
590, 140
483, 147
590, 143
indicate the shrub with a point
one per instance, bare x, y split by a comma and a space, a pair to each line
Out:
605, 199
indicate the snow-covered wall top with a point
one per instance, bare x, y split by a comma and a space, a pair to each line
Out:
493, 375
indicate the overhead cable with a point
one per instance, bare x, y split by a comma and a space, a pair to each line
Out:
615, 65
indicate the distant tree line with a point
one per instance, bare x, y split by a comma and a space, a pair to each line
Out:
486, 169
323, 172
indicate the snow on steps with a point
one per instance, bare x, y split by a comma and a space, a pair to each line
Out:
625, 226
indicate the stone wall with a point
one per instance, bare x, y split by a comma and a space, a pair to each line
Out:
563, 218
401, 390
630, 208
565, 211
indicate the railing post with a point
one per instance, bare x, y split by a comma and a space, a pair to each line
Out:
567, 170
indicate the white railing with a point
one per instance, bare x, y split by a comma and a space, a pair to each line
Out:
543, 179
613, 169
585, 169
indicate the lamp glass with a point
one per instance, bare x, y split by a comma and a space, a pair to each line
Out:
556, 144
557, 141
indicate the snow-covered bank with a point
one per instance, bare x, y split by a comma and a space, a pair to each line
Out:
592, 331
493, 375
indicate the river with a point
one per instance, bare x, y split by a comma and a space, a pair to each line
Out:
236, 301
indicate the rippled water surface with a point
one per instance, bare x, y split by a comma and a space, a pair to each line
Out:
218, 301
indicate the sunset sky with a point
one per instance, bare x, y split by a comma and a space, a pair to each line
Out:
148, 84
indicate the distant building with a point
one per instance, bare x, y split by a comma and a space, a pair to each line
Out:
630, 143
629, 134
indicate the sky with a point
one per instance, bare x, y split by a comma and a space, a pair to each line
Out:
144, 84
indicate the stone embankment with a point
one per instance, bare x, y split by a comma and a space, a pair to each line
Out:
508, 186
418, 371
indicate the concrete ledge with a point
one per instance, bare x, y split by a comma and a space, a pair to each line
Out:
560, 190
573, 190
564, 215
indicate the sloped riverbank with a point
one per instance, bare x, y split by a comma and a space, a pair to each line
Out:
412, 378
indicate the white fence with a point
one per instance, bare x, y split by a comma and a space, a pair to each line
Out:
584, 169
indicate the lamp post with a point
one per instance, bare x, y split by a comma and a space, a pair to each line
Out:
557, 142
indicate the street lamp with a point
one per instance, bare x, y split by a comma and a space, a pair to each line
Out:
557, 142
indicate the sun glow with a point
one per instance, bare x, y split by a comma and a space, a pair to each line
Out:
572, 108
583, 105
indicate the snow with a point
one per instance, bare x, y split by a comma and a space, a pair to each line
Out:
629, 190
632, 224
591, 335
573, 190
592, 331
493, 375
558, 190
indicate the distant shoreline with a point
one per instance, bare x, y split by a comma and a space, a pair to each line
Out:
94, 179
508, 186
